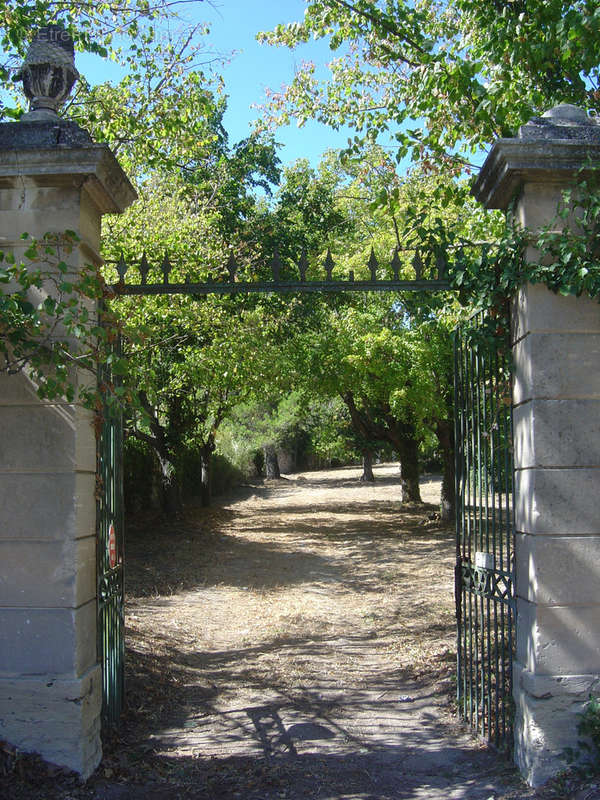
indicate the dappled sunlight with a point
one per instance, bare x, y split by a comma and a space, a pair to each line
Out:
301, 635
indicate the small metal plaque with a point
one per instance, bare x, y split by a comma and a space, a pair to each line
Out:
484, 560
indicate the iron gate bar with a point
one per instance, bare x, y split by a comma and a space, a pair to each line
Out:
110, 603
430, 269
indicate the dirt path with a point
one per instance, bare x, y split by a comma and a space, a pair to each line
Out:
299, 643
296, 641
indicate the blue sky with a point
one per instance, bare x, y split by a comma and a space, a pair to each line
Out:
252, 68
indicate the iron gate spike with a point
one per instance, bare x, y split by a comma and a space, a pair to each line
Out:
418, 264
422, 262
166, 268
329, 265
122, 268
144, 268
303, 265
440, 262
232, 267
485, 252
373, 264
396, 264
276, 266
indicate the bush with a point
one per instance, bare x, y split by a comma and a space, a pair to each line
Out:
239, 452
140, 476
224, 475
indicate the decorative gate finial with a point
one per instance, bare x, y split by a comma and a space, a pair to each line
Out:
48, 72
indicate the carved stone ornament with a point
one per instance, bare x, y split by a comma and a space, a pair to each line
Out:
48, 72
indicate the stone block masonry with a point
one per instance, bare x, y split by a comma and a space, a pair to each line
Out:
557, 458
556, 401
52, 178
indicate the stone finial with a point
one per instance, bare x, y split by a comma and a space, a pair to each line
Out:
568, 114
564, 121
48, 72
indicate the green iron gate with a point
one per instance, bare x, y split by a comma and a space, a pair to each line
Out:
485, 606
109, 497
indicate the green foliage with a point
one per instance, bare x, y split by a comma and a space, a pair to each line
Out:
590, 723
140, 476
316, 430
561, 256
225, 476
126, 31
161, 114
331, 436
260, 423
49, 328
236, 449
444, 79
587, 754
197, 357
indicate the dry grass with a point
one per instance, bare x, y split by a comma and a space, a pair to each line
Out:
299, 562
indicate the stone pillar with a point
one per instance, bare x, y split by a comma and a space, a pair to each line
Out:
53, 178
556, 400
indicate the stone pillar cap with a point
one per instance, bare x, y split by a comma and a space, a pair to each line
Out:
55, 154
564, 121
551, 148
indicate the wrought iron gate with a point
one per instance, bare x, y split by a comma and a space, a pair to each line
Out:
485, 534
109, 497
484, 577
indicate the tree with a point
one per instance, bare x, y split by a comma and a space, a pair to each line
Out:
376, 360
199, 356
268, 425
210, 359
444, 80
383, 211
163, 70
129, 32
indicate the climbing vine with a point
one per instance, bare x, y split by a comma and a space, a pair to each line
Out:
564, 256
50, 329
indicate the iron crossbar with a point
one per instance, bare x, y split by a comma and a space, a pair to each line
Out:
428, 271
287, 287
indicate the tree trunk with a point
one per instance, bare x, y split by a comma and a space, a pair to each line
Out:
367, 464
445, 435
408, 453
171, 491
205, 475
271, 462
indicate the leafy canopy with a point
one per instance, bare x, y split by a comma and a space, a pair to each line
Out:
442, 78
